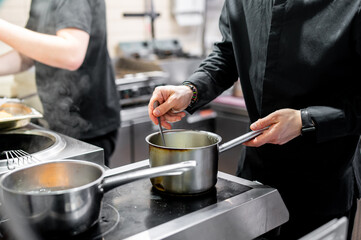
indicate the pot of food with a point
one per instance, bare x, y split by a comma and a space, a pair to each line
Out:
64, 197
201, 146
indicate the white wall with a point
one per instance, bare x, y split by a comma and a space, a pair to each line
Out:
121, 29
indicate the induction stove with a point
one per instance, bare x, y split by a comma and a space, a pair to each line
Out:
233, 208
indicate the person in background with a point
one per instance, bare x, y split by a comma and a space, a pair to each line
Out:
299, 63
67, 42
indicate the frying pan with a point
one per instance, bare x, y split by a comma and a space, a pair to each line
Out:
201, 146
64, 197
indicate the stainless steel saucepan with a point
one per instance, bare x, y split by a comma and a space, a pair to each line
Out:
65, 196
200, 146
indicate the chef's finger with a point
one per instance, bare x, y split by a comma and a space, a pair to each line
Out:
265, 137
174, 117
151, 109
257, 141
163, 108
253, 143
165, 124
160, 94
156, 96
264, 122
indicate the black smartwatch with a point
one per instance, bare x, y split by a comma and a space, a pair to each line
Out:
308, 126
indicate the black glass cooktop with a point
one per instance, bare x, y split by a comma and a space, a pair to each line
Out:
136, 207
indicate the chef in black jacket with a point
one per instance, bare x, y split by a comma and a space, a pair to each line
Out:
300, 70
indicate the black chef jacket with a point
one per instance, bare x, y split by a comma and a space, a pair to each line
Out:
295, 54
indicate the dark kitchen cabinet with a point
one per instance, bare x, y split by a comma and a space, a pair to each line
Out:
122, 152
142, 128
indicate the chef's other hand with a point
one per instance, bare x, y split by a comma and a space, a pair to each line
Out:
285, 125
172, 101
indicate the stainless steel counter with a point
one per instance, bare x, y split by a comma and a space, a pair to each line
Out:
58, 146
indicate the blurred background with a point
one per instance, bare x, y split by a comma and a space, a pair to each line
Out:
151, 43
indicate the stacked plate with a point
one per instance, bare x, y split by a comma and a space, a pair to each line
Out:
15, 114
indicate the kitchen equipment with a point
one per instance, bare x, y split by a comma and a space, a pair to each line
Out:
149, 13
14, 114
202, 146
47, 145
64, 197
19, 158
39, 143
136, 89
155, 105
240, 209
144, 50
336, 229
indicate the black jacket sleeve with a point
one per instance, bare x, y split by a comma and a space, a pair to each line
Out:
344, 117
218, 71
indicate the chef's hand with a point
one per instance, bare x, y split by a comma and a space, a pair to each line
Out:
285, 125
172, 101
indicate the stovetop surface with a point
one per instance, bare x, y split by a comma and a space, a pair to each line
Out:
142, 207
136, 207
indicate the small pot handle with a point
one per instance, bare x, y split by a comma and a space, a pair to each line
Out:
113, 181
241, 139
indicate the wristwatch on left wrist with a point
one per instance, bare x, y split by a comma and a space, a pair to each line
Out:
308, 125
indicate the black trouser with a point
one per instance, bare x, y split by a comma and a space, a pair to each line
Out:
107, 142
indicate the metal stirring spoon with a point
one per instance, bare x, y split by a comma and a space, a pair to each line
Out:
155, 105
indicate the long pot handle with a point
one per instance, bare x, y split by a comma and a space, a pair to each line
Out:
241, 139
110, 182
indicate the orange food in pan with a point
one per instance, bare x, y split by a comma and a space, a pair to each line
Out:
54, 177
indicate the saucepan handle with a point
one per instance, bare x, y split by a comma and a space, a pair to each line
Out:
110, 182
241, 139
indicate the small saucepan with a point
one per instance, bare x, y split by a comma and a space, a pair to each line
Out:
65, 196
202, 146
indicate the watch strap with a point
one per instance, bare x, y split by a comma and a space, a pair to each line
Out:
195, 93
308, 125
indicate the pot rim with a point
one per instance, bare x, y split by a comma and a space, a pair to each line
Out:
147, 139
56, 192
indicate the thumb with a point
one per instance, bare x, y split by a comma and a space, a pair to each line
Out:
162, 109
261, 123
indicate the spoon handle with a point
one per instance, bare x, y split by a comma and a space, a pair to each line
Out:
155, 105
